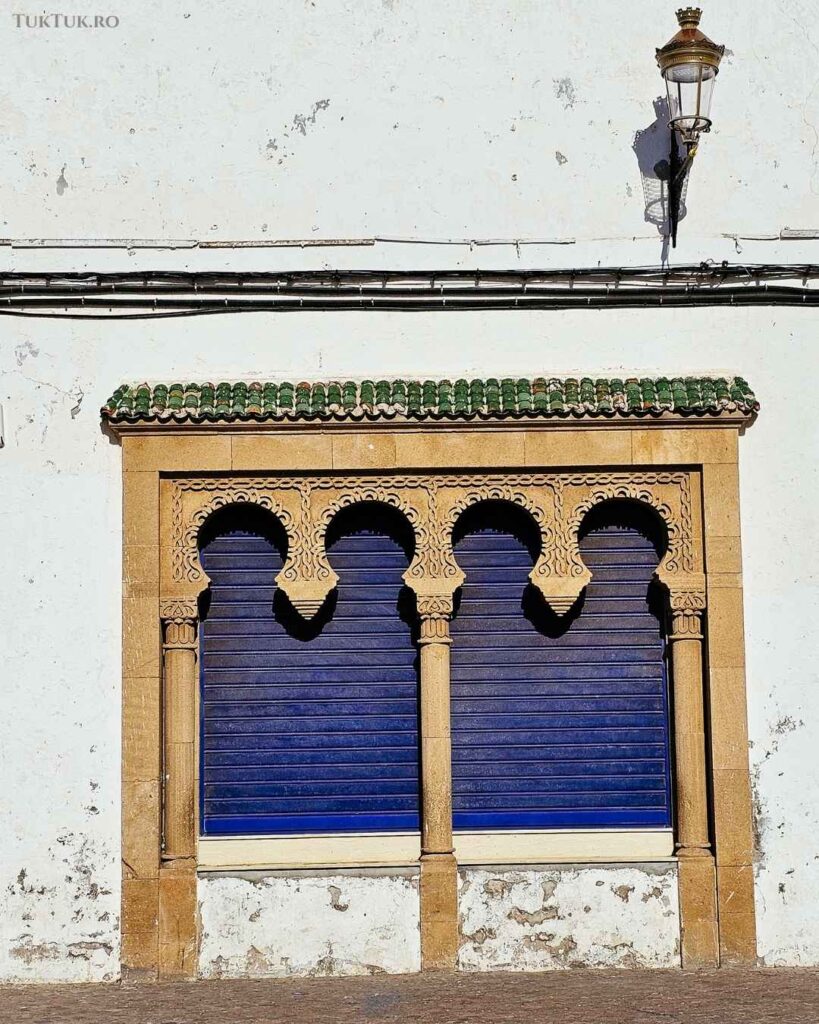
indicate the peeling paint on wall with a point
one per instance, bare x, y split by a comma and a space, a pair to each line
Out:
548, 919
565, 91
59, 922
301, 121
785, 867
306, 926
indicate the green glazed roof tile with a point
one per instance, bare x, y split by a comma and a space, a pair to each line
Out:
490, 398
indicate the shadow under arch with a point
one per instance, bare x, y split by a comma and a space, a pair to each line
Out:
499, 515
372, 517
369, 518
636, 516
239, 518
630, 513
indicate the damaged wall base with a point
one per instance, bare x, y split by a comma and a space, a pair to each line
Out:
358, 923
539, 919
280, 926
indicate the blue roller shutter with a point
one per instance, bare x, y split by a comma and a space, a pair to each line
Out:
558, 731
307, 730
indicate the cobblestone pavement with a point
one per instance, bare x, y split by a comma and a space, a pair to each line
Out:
576, 997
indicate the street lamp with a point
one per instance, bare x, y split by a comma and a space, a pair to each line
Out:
689, 63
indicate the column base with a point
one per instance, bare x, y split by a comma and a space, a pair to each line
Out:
177, 922
439, 912
737, 917
698, 910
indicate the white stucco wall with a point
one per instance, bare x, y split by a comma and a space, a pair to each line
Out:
397, 119
59, 601
300, 926
570, 916
403, 118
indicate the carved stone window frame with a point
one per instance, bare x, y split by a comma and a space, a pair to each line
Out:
175, 475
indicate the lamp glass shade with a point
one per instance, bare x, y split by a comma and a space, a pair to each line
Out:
690, 89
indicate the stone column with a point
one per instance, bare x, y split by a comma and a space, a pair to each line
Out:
439, 871
698, 906
177, 881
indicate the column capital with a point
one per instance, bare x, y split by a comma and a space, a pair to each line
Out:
687, 607
434, 612
179, 619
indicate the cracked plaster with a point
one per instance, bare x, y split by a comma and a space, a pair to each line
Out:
563, 917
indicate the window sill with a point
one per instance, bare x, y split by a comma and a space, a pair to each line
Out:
388, 849
564, 845
404, 849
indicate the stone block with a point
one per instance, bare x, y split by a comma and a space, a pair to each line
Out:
594, 446
170, 453
729, 720
737, 916
733, 816
364, 450
725, 630
177, 924
141, 828
720, 486
141, 729
284, 451
140, 906
724, 555
439, 912
141, 636
452, 449
684, 445
140, 509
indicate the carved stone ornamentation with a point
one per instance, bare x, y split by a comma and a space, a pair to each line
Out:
213, 494
307, 576
687, 601
686, 625
432, 504
518, 492
179, 617
176, 608
434, 613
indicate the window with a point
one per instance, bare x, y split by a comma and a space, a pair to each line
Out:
180, 468
559, 723
308, 728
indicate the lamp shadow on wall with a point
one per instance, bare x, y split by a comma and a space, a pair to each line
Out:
652, 147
